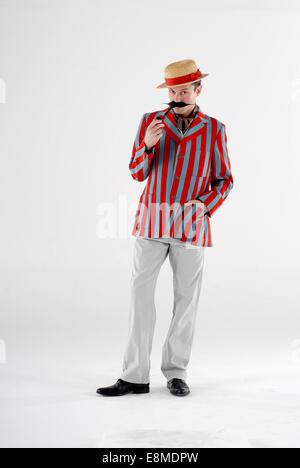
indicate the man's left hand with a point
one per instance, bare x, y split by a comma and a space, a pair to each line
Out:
198, 202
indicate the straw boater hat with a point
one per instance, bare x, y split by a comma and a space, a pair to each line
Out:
181, 73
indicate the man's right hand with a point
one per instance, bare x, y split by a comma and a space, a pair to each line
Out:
153, 133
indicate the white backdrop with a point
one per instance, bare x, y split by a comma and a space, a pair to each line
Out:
75, 79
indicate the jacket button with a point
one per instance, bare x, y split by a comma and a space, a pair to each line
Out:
173, 196
176, 177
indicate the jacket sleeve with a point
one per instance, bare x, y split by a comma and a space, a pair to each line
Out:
140, 161
221, 177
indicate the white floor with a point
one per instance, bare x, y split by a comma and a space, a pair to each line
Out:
50, 401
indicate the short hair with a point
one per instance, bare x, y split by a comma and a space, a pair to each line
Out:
196, 84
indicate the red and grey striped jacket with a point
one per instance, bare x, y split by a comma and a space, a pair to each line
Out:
179, 168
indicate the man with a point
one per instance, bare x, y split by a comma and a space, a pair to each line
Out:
182, 153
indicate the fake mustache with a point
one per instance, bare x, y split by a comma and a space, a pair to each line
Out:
173, 104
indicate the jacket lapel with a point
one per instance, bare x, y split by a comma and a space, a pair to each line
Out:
170, 126
197, 126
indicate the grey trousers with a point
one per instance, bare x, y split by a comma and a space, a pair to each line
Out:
187, 266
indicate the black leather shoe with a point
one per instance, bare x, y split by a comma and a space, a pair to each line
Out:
121, 387
178, 387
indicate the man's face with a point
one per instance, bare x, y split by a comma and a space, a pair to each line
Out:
185, 93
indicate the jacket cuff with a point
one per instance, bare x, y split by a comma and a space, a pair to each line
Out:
148, 151
207, 210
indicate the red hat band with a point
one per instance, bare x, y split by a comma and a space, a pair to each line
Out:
183, 79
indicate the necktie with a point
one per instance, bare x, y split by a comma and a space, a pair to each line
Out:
184, 122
